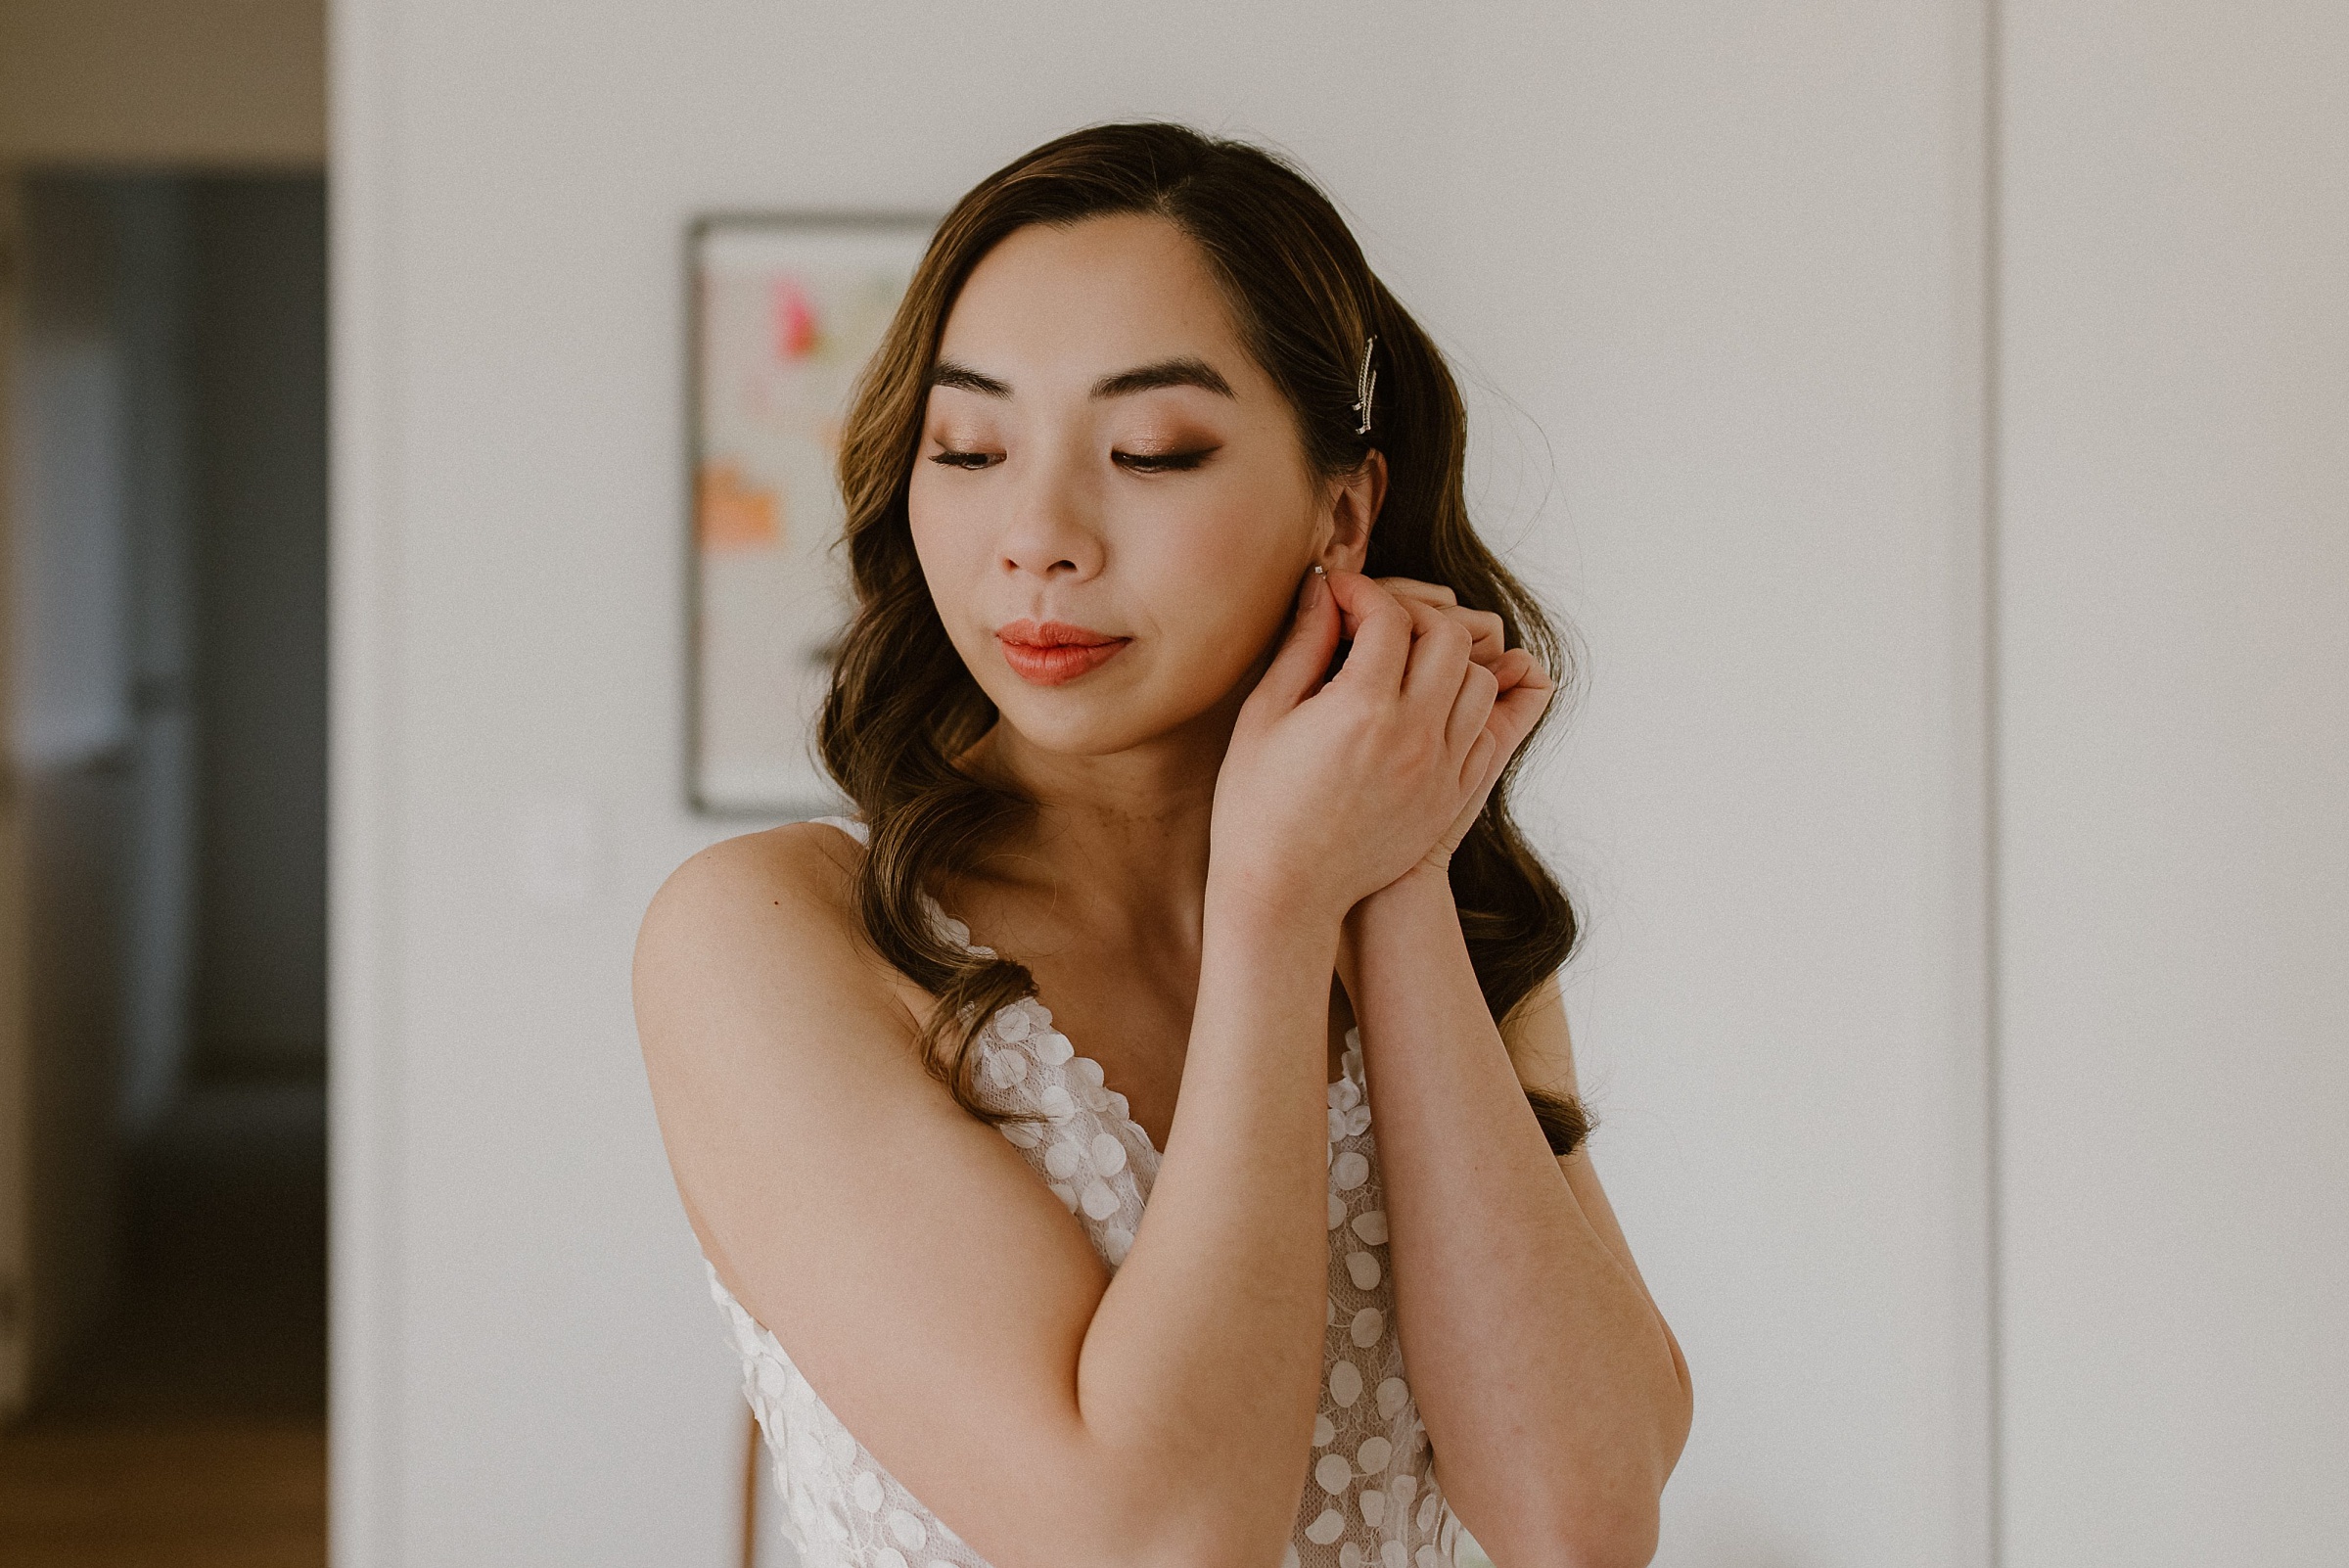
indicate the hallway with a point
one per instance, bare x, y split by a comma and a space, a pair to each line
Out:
190, 1431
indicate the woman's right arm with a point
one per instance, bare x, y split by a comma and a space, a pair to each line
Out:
944, 1305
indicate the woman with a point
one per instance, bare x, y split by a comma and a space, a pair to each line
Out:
1146, 452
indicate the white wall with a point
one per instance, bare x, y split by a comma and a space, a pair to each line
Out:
1722, 257
2175, 662
1714, 259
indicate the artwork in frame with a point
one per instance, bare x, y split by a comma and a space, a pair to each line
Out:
785, 311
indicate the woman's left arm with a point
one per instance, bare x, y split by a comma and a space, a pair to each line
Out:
1555, 1398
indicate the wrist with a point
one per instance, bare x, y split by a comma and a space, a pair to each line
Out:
1420, 894
1425, 883
1259, 906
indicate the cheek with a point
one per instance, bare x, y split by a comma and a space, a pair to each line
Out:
953, 567
922, 515
944, 543
1224, 579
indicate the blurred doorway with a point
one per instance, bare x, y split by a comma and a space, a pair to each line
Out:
162, 1295
162, 538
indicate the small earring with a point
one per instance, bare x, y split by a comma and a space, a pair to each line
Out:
1320, 573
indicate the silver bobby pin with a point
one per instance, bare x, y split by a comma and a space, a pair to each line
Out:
1366, 385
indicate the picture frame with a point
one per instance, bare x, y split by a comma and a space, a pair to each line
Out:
783, 309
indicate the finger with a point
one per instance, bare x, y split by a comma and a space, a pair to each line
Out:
1356, 593
1413, 588
1516, 710
1524, 690
1516, 667
1471, 709
1438, 653
1492, 636
1513, 715
1481, 766
1489, 637
1305, 653
1380, 626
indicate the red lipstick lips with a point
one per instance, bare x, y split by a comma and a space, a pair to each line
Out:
1054, 651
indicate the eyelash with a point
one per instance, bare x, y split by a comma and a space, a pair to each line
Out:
1135, 462
1164, 462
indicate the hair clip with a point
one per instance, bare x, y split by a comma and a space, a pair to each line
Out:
1365, 384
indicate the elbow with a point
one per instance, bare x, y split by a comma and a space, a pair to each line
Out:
1610, 1520
1187, 1530
1617, 1538
1618, 1522
1604, 1528
1607, 1512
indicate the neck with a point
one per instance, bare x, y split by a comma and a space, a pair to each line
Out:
1122, 836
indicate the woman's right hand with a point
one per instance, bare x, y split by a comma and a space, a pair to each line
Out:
1331, 790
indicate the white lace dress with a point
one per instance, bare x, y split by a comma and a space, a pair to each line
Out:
1370, 1497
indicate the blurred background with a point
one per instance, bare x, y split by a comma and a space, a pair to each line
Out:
162, 812
1935, 418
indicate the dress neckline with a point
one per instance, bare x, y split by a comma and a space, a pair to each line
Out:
1349, 1061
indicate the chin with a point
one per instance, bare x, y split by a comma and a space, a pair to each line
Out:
1083, 719
1081, 726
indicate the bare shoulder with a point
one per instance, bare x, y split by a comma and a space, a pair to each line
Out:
749, 916
801, 870
758, 1000
896, 1245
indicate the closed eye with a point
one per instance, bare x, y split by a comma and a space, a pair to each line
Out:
1163, 462
968, 460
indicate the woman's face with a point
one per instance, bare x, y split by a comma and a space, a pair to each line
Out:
1110, 501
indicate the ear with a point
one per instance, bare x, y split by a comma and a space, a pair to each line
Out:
1353, 502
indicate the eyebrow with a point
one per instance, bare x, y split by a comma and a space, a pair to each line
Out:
1186, 370
948, 373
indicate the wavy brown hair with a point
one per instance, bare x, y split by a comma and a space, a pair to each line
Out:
903, 707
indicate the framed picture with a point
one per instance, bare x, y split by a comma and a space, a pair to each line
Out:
784, 311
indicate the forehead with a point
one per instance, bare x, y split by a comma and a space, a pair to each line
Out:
1098, 295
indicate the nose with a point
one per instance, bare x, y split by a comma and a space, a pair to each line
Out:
1053, 531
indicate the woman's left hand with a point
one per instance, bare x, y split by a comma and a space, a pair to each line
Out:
1524, 691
